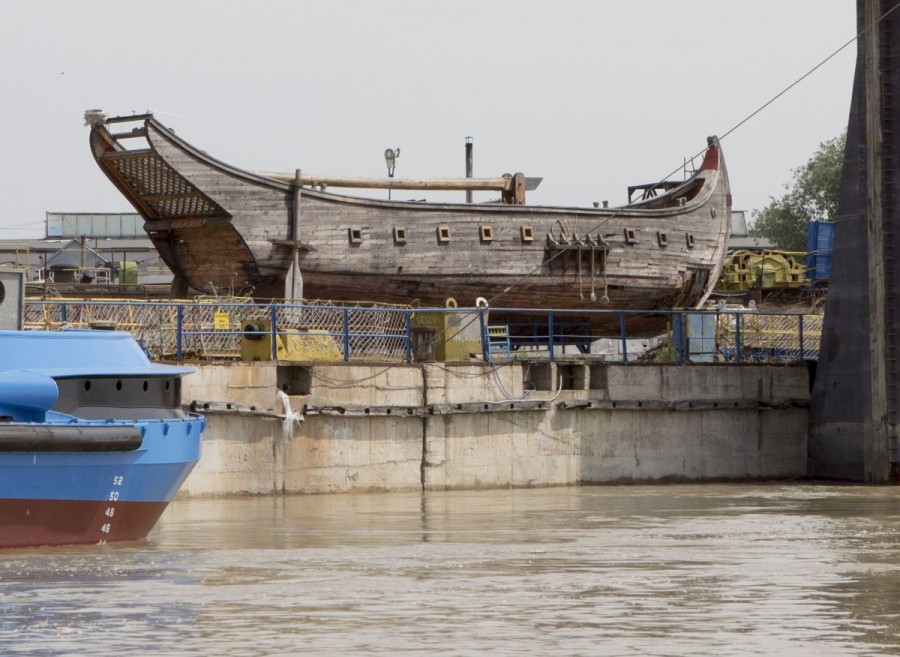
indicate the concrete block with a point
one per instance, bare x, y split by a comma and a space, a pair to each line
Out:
360, 385
463, 383
493, 449
338, 454
236, 458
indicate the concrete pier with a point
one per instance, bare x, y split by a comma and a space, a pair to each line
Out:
464, 426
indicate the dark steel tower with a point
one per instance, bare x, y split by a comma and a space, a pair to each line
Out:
856, 396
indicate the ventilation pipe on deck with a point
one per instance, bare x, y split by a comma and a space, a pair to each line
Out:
469, 167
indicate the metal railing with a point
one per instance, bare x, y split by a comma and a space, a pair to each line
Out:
213, 329
232, 330
681, 336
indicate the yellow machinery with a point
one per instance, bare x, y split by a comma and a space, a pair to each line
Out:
747, 270
451, 336
302, 346
128, 272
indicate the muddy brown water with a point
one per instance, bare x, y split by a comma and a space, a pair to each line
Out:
764, 569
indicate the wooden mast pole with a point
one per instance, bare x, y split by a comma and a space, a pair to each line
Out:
294, 279
511, 187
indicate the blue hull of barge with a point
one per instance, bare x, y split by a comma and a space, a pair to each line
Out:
67, 480
151, 473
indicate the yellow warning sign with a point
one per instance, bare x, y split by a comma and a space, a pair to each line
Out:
221, 322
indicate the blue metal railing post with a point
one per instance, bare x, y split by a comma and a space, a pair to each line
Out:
550, 330
179, 328
800, 335
273, 320
624, 337
346, 317
737, 337
678, 336
408, 321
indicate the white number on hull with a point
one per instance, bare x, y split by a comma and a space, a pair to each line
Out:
110, 512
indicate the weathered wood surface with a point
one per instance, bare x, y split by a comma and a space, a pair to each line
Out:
662, 252
48, 290
438, 184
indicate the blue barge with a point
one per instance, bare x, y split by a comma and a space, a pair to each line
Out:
93, 441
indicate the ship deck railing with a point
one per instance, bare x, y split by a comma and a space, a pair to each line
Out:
189, 330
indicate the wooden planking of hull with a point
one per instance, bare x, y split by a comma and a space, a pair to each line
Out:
221, 228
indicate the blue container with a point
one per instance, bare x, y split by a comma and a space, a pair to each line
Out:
819, 245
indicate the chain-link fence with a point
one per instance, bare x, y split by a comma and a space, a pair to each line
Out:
768, 337
212, 328
215, 329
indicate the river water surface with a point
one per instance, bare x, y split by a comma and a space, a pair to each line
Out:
768, 569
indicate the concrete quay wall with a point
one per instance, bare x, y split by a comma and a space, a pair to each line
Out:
465, 426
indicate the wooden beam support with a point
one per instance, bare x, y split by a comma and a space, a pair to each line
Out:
126, 119
294, 244
129, 155
293, 282
137, 132
448, 184
514, 194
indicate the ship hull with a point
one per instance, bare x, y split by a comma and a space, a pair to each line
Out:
223, 229
69, 497
93, 440
36, 523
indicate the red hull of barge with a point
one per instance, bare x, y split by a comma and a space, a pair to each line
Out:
32, 523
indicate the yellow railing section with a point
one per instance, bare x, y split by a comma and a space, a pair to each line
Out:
765, 336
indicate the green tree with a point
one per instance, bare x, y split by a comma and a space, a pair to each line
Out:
812, 194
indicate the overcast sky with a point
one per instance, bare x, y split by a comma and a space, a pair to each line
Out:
593, 96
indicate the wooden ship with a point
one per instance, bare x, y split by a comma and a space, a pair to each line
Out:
290, 237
